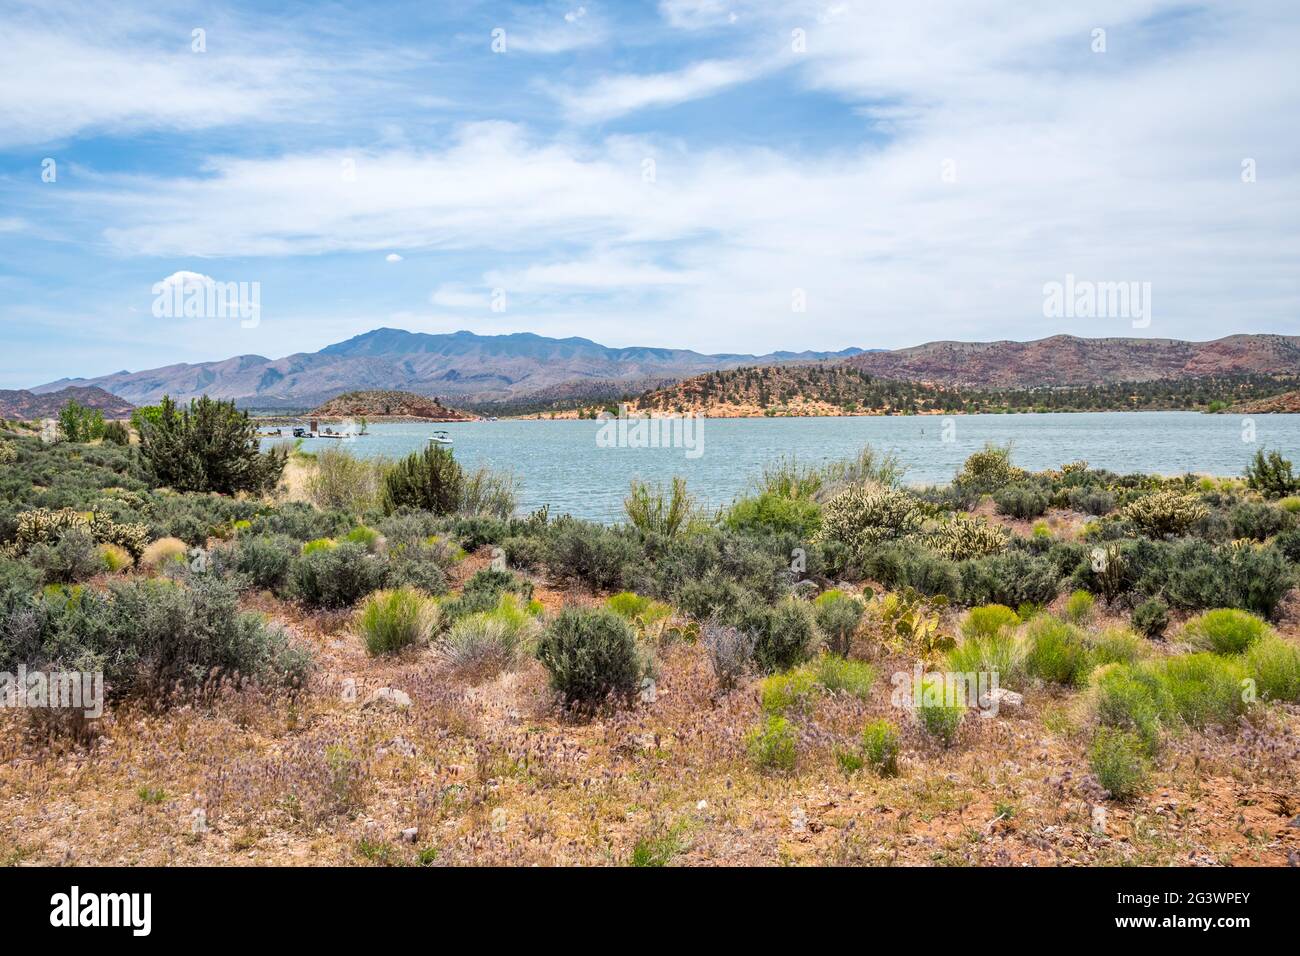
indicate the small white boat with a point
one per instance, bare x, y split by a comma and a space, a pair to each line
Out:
440, 438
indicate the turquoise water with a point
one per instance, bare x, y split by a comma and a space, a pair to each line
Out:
559, 462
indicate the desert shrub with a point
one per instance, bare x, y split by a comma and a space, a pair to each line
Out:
990, 620
336, 577
482, 592
1091, 500
17, 579
1288, 545
154, 636
1056, 652
1013, 579
301, 522
1200, 689
916, 568
841, 675
113, 559
1164, 514
792, 690
591, 656
72, 557
783, 633
8, 452
1258, 521
320, 544
640, 610
988, 470
491, 641
1118, 761
1079, 607
265, 560
1151, 617
343, 481
1001, 653
653, 509
209, 446
838, 616
1225, 631
1271, 475
880, 747
773, 745
939, 710
410, 527
1021, 500
770, 512
1125, 702
420, 565
591, 554
524, 551
391, 620
1116, 645
489, 493
730, 651
864, 517
961, 537
367, 537
430, 480
164, 551
1197, 576
1274, 665
117, 433
474, 531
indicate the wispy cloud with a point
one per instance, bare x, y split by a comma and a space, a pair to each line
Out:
617, 95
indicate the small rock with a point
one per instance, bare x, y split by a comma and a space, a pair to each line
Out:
806, 588
410, 833
1099, 819
702, 805
1005, 698
1295, 821
798, 820
390, 697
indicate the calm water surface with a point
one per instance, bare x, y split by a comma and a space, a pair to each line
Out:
560, 464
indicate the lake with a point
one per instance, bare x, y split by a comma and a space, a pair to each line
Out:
560, 463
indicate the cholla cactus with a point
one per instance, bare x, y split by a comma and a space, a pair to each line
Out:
8, 453
961, 537
41, 525
863, 516
1165, 513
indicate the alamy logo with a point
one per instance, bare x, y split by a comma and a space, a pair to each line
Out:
59, 690
632, 430
72, 909
191, 295
1085, 299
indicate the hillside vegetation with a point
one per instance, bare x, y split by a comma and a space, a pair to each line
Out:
379, 404
839, 389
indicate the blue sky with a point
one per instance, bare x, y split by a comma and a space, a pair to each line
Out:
671, 174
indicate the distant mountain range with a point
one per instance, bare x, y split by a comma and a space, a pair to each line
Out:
466, 369
1067, 360
461, 366
22, 405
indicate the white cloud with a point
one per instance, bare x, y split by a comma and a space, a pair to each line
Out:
392, 257
616, 95
186, 280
